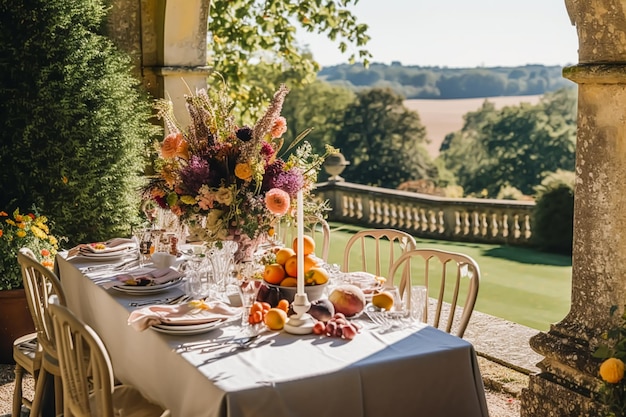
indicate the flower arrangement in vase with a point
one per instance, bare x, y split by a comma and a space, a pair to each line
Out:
230, 182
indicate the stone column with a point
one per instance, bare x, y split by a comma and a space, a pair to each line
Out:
567, 384
167, 42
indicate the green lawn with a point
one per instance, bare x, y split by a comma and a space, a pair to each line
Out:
518, 284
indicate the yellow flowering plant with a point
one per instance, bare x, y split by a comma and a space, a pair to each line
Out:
611, 371
23, 230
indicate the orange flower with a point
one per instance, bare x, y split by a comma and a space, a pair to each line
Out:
277, 201
45, 252
1, 232
3, 214
280, 127
173, 145
243, 171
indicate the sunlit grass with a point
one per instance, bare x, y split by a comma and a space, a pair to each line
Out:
518, 284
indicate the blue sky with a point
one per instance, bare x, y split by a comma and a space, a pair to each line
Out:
460, 33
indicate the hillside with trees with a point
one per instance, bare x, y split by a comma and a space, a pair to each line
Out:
414, 82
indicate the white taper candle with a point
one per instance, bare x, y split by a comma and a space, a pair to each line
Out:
300, 245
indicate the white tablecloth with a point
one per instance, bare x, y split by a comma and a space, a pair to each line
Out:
418, 371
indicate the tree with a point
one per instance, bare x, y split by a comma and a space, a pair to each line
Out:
384, 141
319, 106
245, 32
515, 146
74, 125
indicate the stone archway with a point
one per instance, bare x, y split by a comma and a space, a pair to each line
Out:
167, 41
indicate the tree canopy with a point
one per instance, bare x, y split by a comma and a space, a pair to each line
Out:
244, 33
383, 140
516, 146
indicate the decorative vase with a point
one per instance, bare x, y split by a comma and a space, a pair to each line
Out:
15, 321
246, 249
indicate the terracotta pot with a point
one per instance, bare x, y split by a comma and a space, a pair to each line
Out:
15, 321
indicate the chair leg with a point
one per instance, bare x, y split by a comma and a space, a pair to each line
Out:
58, 395
40, 388
17, 392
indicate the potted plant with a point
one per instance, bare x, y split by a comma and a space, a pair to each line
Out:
17, 231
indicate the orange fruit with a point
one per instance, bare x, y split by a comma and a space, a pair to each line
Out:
275, 318
289, 282
309, 245
383, 300
291, 266
273, 273
318, 275
283, 254
283, 305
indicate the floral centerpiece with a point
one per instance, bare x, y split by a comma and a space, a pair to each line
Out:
611, 371
230, 182
18, 231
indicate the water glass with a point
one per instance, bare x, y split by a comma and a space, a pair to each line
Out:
197, 284
419, 298
248, 290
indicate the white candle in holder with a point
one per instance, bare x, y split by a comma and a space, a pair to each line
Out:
300, 244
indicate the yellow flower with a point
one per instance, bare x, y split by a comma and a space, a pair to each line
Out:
243, 171
38, 232
612, 370
187, 199
20, 233
224, 196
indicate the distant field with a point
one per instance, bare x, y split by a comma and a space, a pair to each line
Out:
441, 117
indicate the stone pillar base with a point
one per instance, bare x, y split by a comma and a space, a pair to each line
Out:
549, 398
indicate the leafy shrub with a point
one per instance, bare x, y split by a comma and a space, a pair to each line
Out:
553, 217
73, 123
508, 192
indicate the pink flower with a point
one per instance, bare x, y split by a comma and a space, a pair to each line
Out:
277, 201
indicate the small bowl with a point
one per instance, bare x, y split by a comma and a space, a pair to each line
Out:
163, 259
313, 292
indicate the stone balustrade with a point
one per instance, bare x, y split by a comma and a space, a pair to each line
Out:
427, 216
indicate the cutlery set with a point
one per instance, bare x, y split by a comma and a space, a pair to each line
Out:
169, 300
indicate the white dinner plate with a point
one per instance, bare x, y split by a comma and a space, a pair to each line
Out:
188, 329
105, 256
148, 289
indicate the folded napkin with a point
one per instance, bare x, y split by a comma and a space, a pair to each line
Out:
366, 281
193, 312
111, 247
143, 278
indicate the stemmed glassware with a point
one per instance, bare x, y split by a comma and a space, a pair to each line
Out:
221, 259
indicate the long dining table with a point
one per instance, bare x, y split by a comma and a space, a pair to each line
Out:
414, 370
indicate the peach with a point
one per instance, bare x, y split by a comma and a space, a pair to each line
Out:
347, 299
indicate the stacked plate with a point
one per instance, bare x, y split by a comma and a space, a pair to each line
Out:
111, 250
147, 289
188, 329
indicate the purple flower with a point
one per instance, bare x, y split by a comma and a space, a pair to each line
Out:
195, 174
276, 177
244, 134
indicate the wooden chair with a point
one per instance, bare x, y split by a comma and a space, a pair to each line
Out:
39, 284
88, 381
27, 356
453, 276
357, 254
313, 226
